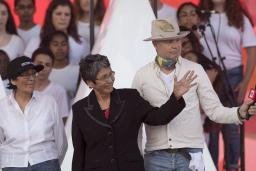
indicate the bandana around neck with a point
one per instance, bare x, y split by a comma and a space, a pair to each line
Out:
166, 62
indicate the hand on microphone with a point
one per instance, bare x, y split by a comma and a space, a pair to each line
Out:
248, 108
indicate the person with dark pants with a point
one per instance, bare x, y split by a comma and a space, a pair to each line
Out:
233, 32
106, 123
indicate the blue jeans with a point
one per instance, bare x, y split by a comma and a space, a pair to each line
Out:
230, 132
160, 160
50, 165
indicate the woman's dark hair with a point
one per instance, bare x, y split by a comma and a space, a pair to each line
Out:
91, 65
16, 2
48, 26
2, 52
196, 45
187, 4
233, 10
10, 25
45, 42
99, 10
44, 51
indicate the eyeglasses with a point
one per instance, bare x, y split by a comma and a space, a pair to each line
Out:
108, 77
28, 74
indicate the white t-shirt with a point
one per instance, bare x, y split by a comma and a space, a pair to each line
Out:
67, 77
59, 94
14, 48
166, 12
26, 35
168, 81
76, 50
229, 38
84, 30
2, 89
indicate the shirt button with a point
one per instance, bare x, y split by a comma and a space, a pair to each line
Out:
109, 133
170, 139
110, 147
170, 145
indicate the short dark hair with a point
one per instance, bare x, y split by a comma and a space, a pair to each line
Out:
16, 2
45, 42
91, 65
42, 50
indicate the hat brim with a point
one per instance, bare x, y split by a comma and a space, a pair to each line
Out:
179, 35
38, 68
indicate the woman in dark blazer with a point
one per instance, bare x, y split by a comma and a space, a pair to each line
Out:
106, 123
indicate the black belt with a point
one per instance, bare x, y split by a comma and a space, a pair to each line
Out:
182, 151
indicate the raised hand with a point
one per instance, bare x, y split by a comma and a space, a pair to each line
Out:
182, 86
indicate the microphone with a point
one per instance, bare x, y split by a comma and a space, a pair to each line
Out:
252, 94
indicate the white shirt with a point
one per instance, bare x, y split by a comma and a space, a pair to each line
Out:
26, 35
60, 95
14, 47
76, 50
230, 40
67, 77
6, 83
33, 136
2, 89
168, 80
84, 30
185, 130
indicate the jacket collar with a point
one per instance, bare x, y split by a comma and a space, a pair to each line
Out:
93, 110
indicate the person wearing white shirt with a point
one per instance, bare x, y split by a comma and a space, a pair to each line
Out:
181, 140
25, 10
10, 42
63, 72
32, 134
45, 57
60, 17
233, 31
83, 17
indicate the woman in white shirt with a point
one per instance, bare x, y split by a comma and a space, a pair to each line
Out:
32, 135
10, 42
60, 16
233, 30
83, 17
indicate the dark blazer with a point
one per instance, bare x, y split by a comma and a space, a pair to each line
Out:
111, 145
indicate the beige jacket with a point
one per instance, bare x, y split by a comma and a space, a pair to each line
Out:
186, 129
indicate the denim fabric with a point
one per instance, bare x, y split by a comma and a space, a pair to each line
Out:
50, 165
160, 160
230, 132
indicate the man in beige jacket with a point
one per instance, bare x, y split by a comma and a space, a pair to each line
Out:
178, 145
